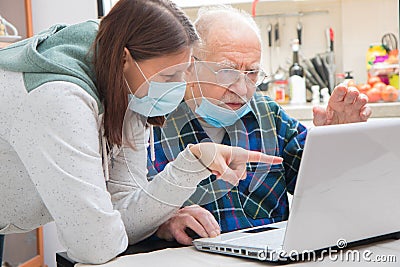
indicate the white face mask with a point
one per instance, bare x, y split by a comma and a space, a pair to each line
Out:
161, 99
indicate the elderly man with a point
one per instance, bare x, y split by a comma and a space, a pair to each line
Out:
221, 105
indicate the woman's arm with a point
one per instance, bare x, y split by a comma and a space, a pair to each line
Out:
145, 205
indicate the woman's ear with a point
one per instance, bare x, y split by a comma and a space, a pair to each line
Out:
127, 59
189, 72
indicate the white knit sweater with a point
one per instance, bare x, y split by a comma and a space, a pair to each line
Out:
51, 170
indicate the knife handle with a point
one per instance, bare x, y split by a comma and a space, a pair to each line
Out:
299, 31
269, 29
328, 39
277, 44
331, 38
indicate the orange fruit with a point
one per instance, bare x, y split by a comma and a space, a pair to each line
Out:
380, 86
363, 88
373, 80
351, 82
390, 94
374, 95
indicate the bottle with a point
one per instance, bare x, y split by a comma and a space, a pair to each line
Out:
297, 82
349, 79
315, 95
281, 91
325, 95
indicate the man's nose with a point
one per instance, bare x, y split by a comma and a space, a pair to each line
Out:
240, 86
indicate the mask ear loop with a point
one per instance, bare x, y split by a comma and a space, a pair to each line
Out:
127, 85
152, 149
198, 83
141, 72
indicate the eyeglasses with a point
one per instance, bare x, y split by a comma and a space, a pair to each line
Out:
228, 76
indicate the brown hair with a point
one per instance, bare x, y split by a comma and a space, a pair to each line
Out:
149, 29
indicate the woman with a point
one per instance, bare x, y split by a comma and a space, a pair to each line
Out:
64, 97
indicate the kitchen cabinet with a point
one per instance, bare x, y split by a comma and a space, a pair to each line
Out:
18, 12
22, 23
24, 250
28, 18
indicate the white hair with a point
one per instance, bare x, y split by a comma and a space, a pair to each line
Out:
210, 16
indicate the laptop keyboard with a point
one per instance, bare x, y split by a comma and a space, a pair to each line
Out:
273, 239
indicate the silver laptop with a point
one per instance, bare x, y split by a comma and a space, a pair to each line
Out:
347, 193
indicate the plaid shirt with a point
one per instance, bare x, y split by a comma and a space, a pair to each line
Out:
262, 197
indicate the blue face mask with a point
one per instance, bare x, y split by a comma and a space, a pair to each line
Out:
215, 115
218, 116
162, 98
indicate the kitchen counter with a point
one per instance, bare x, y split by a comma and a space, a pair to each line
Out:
379, 110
